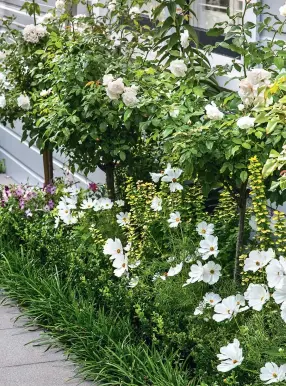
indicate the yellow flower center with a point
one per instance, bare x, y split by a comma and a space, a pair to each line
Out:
212, 271
118, 250
123, 265
257, 263
66, 211
211, 301
174, 179
262, 298
204, 231
234, 361
211, 249
178, 219
274, 375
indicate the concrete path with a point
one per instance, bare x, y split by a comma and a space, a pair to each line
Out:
6, 180
23, 364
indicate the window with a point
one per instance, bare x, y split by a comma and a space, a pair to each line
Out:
210, 12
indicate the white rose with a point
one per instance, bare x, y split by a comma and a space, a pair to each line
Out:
134, 11
60, 5
107, 79
241, 107
41, 30
245, 123
24, 102
213, 113
178, 68
116, 86
129, 98
258, 77
2, 101
282, 10
111, 95
2, 55
46, 19
45, 93
185, 39
30, 34
112, 5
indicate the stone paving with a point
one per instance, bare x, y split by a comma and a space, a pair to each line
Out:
23, 363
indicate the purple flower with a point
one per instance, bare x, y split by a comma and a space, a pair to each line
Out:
19, 191
21, 203
51, 204
93, 186
50, 189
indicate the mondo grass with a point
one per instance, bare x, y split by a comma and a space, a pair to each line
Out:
103, 344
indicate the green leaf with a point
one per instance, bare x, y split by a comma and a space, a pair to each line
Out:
271, 126
215, 32
243, 175
122, 156
279, 63
269, 167
283, 184
127, 114
246, 145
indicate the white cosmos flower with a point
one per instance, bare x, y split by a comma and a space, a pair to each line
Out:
258, 259
72, 190
283, 311
282, 10
67, 203
121, 265
271, 373
211, 273
245, 122
105, 203
227, 309
195, 274
173, 271
2, 101
230, 356
171, 176
123, 218
23, 102
174, 220
178, 68
257, 295
280, 294
211, 299
184, 38
107, 79
241, 107
87, 204
113, 248
276, 274
200, 309
209, 247
120, 203
205, 229
133, 282
156, 204
213, 113
156, 176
